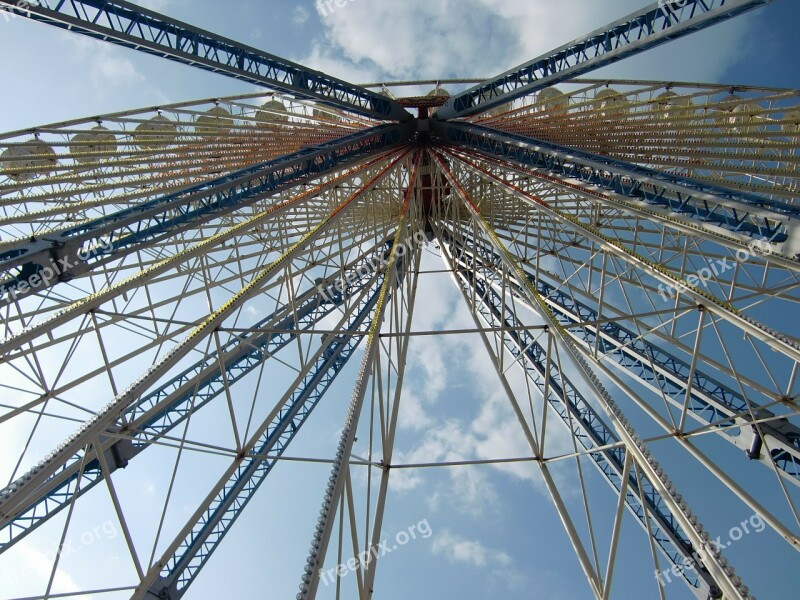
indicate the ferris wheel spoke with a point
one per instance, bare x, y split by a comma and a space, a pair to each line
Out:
652, 26
265, 223
743, 212
141, 29
387, 382
107, 416
161, 411
586, 425
380, 378
193, 546
386, 375
24, 262
711, 557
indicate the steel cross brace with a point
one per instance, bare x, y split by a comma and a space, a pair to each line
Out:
711, 402
67, 253
578, 415
138, 28
156, 414
196, 548
738, 211
652, 26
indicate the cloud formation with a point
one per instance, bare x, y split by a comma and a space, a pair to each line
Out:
419, 39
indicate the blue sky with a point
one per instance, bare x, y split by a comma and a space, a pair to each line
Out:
493, 529
52, 75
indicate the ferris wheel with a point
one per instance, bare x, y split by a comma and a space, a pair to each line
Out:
184, 287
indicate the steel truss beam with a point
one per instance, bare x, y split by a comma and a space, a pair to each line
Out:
66, 253
652, 26
586, 425
159, 412
778, 435
721, 572
610, 201
710, 402
735, 210
133, 26
339, 478
104, 420
181, 563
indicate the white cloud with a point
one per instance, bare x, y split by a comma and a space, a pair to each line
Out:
39, 566
479, 38
300, 15
470, 552
108, 67
156, 5
412, 413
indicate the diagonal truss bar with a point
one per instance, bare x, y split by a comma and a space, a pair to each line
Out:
182, 562
656, 215
738, 211
585, 423
133, 26
717, 566
16, 493
717, 306
340, 470
656, 24
710, 402
29, 265
159, 412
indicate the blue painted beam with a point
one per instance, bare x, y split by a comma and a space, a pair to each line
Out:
586, 425
138, 28
737, 211
656, 24
159, 412
250, 472
710, 401
67, 253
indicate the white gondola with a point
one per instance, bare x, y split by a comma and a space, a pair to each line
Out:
28, 160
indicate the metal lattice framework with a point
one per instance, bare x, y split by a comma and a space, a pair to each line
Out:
627, 251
